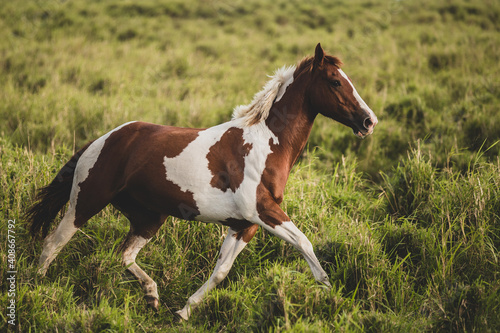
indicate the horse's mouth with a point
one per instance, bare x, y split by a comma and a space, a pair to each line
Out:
362, 133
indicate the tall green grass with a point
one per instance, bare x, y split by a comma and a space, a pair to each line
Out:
417, 252
406, 222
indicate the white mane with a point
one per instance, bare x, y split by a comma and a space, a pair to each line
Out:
258, 109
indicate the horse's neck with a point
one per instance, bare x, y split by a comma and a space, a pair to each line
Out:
291, 121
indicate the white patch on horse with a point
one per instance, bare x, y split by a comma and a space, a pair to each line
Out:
358, 98
255, 163
189, 170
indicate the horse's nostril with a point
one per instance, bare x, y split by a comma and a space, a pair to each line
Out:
368, 123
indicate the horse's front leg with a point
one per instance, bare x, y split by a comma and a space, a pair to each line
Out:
274, 220
234, 242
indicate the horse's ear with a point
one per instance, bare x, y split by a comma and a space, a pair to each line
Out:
319, 55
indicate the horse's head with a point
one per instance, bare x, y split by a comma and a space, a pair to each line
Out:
332, 94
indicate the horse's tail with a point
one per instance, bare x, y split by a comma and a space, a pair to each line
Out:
53, 197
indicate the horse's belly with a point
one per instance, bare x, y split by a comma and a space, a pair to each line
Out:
217, 207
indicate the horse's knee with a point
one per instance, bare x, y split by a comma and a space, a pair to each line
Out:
127, 259
304, 244
219, 276
127, 262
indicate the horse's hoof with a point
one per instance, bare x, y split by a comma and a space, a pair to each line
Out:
178, 316
182, 315
152, 302
41, 272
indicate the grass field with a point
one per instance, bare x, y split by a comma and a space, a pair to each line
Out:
406, 222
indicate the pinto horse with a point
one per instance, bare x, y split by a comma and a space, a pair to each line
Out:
233, 174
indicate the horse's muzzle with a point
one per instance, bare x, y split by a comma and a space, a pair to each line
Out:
368, 125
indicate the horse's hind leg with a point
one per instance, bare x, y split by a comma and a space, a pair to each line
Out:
54, 242
89, 199
130, 248
70, 223
144, 225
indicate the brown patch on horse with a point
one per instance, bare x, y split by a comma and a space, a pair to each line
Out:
236, 224
130, 174
247, 234
148, 183
177, 143
144, 222
226, 160
268, 207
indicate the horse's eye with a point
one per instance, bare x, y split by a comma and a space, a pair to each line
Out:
335, 83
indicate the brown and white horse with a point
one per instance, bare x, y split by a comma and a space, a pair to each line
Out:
234, 173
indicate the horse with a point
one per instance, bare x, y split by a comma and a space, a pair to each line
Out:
233, 174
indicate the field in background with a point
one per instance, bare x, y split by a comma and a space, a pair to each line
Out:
406, 222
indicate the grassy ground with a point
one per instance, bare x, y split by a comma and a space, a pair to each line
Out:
406, 222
